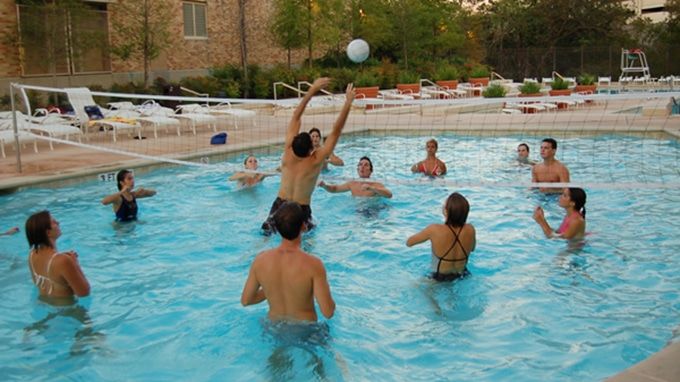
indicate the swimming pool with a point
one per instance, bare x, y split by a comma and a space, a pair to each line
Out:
165, 301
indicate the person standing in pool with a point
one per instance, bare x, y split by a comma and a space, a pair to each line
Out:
56, 274
125, 200
523, 154
362, 187
431, 165
300, 163
452, 242
333, 159
250, 178
573, 226
551, 170
287, 277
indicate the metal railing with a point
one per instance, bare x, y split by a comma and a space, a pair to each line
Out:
285, 85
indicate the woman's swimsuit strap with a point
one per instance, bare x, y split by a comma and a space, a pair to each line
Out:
40, 280
455, 241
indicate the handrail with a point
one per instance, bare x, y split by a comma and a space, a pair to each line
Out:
197, 94
555, 74
285, 85
324, 91
497, 75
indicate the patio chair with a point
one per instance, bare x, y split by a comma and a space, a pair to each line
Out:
225, 108
196, 115
89, 114
7, 137
50, 125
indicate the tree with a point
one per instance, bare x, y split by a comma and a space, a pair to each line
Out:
143, 31
286, 27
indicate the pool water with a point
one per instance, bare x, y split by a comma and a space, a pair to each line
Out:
165, 301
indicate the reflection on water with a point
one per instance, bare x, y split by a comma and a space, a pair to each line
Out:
371, 208
62, 318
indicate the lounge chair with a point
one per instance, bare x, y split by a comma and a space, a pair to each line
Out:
225, 108
50, 125
196, 115
149, 114
81, 100
7, 137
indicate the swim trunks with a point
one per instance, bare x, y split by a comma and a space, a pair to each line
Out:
269, 227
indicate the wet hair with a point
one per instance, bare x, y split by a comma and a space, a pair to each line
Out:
578, 196
36, 229
289, 219
248, 157
436, 145
457, 209
302, 145
121, 177
525, 145
313, 129
368, 160
552, 142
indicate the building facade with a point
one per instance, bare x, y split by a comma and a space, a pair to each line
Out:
73, 48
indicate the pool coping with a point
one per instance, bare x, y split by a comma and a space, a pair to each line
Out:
662, 366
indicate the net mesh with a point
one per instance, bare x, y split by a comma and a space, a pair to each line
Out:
126, 130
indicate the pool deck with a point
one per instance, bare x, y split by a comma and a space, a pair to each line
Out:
72, 162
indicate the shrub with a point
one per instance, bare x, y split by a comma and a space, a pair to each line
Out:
586, 79
446, 72
407, 77
559, 84
494, 91
366, 78
480, 71
530, 87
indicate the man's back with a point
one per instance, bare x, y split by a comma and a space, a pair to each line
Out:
287, 278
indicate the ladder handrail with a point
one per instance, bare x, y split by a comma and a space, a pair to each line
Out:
197, 94
555, 74
324, 91
497, 75
285, 85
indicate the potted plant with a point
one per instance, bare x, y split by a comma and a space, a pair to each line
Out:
586, 84
559, 87
366, 84
530, 89
494, 91
479, 76
446, 76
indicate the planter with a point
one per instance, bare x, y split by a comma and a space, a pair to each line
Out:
564, 92
367, 92
448, 84
409, 89
479, 81
585, 89
530, 95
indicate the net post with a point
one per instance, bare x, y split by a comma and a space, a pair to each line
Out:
15, 125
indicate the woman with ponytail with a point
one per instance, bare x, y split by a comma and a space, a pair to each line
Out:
573, 200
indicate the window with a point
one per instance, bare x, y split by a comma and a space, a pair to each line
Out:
57, 39
194, 20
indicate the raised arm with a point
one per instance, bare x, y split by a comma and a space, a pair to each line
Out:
322, 291
144, 193
335, 160
296, 119
114, 198
73, 274
419, 237
335, 188
332, 138
539, 217
252, 291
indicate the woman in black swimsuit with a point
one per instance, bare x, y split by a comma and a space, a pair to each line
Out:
452, 242
125, 200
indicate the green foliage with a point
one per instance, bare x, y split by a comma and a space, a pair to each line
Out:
406, 77
494, 91
559, 84
530, 87
480, 71
586, 79
446, 72
366, 78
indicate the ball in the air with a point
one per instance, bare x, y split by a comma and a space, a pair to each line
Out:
358, 50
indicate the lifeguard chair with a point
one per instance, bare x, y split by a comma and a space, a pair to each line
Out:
634, 61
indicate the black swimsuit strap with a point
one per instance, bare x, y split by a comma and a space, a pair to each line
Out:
455, 241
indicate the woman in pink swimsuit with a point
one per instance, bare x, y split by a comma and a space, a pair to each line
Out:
56, 274
573, 226
432, 165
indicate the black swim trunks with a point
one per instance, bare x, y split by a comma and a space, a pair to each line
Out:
268, 227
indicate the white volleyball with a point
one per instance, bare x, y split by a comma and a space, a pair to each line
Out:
358, 50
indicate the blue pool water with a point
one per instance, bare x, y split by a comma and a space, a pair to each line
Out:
165, 301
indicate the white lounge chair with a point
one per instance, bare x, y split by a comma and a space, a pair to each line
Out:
114, 121
7, 137
225, 108
50, 125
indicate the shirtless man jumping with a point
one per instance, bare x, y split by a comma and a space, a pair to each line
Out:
300, 163
551, 170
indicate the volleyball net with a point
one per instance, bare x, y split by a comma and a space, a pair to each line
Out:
59, 128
